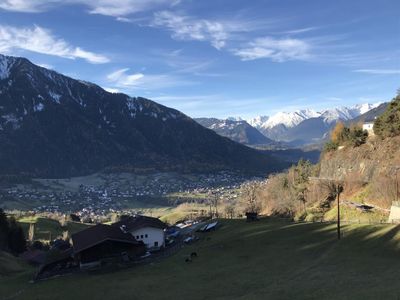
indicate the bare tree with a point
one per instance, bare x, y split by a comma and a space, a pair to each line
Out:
230, 211
250, 197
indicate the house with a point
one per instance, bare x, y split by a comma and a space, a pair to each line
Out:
369, 127
104, 243
149, 230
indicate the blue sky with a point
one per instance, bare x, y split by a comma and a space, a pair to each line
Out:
216, 58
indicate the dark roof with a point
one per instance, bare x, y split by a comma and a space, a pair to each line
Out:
136, 222
99, 233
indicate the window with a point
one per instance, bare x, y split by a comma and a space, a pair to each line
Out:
155, 244
145, 235
141, 236
137, 237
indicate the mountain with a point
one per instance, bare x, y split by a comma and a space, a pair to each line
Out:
237, 130
55, 126
370, 115
304, 127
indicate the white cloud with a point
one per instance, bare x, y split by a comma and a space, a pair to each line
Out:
379, 71
40, 40
190, 28
115, 8
278, 50
121, 79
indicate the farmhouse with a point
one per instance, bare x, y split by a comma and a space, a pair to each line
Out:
146, 229
369, 126
103, 243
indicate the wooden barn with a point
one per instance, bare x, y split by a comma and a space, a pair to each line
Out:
103, 243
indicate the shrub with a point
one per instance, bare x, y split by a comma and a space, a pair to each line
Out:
388, 124
330, 146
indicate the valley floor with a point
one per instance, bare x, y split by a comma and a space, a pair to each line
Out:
268, 259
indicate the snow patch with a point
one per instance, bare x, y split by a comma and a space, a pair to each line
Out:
56, 97
12, 119
5, 65
38, 107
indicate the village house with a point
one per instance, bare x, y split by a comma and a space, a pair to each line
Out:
369, 127
146, 229
104, 243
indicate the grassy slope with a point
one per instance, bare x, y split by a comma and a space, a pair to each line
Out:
262, 260
45, 226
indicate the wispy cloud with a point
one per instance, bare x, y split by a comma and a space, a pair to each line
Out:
123, 80
41, 40
115, 8
216, 32
379, 71
300, 30
278, 50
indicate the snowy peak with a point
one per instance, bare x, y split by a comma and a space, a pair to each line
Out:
288, 119
292, 119
347, 113
365, 107
6, 63
258, 121
339, 113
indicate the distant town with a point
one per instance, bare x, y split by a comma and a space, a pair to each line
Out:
111, 193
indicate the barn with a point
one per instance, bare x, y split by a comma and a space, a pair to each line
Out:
103, 243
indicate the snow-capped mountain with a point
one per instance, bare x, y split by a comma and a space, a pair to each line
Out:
306, 125
288, 119
292, 119
238, 131
53, 125
258, 121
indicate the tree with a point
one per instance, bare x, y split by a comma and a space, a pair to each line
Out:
230, 211
16, 237
388, 124
335, 188
336, 134
4, 230
249, 195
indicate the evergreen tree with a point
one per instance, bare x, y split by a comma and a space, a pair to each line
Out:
388, 124
4, 230
16, 237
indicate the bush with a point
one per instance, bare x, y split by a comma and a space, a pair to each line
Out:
388, 124
331, 146
341, 135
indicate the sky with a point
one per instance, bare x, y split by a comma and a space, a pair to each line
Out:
216, 58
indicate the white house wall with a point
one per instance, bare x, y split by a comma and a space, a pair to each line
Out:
153, 235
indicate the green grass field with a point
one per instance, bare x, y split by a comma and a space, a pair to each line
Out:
261, 260
46, 228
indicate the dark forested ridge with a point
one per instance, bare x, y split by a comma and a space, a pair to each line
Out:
53, 125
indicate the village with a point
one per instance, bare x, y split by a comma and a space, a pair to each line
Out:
114, 194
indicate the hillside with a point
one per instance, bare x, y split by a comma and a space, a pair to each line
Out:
54, 126
261, 260
238, 131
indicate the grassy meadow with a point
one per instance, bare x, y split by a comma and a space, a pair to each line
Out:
268, 259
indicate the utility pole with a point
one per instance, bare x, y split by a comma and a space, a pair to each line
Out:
397, 186
339, 189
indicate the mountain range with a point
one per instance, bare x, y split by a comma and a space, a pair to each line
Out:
306, 126
237, 130
295, 129
54, 126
